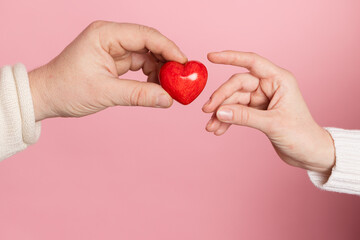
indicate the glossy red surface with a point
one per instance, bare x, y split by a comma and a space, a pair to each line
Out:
185, 82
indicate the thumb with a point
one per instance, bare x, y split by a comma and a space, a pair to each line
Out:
244, 116
135, 93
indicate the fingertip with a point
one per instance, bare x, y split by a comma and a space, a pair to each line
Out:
180, 56
221, 57
218, 133
185, 58
211, 55
205, 108
211, 105
209, 125
181, 60
171, 101
213, 124
164, 101
222, 129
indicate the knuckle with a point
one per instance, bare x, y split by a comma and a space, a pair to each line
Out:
242, 116
235, 77
236, 81
138, 96
219, 95
147, 29
245, 116
286, 72
254, 57
253, 54
96, 25
233, 80
286, 76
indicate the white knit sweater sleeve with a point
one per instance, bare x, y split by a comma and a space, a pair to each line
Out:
345, 175
17, 120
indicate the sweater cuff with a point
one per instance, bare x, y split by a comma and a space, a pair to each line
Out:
31, 129
17, 119
345, 175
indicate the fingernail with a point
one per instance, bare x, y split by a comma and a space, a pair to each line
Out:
224, 114
163, 101
210, 123
207, 103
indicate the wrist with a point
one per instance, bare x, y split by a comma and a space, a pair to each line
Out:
329, 151
37, 82
324, 153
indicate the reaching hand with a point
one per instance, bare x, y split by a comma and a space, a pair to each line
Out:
268, 98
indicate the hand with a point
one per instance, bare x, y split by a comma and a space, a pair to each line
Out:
84, 78
267, 98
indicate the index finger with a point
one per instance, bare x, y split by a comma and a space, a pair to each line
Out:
257, 65
133, 37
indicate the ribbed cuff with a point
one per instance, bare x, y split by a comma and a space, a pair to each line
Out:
17, 119
345, 175
31, 129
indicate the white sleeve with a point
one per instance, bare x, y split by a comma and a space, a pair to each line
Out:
17, 120
345, 175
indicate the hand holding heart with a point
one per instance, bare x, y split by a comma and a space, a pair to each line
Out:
84, 78
267, 98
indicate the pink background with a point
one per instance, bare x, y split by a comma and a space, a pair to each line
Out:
135, 173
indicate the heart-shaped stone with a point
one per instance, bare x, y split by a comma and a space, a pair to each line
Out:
184, 82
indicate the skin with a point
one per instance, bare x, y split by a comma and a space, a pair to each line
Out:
84, 78
268, 98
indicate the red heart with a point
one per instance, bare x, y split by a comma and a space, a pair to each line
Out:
185, 82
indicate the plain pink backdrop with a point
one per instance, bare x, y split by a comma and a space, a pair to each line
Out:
136, 173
